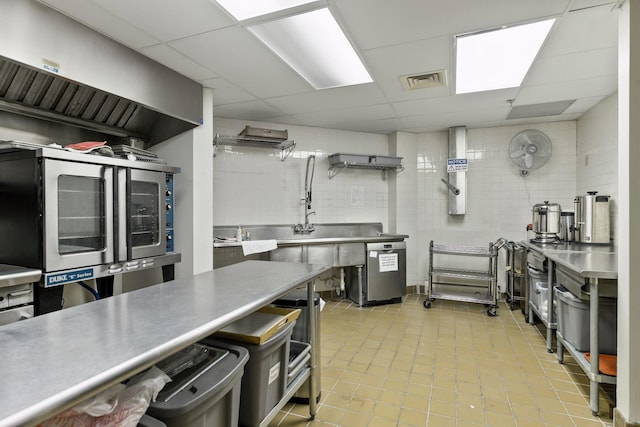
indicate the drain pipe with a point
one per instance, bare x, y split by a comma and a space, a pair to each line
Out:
341, 280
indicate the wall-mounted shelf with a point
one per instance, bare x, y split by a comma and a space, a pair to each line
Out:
285, 146
340, 161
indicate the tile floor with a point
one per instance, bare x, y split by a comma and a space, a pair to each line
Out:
451, 365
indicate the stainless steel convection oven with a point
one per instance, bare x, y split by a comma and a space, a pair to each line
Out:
81, 216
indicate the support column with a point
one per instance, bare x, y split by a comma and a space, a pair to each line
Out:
627, 411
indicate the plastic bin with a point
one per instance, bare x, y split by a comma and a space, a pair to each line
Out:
265, 376
539, 291
573, 322
205, 391
299, 299
147, 421
299, 357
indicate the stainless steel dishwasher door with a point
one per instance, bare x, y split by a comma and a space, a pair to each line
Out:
386, 271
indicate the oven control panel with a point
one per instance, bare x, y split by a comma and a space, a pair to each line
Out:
169, 206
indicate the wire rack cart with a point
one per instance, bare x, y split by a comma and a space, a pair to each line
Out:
461, 284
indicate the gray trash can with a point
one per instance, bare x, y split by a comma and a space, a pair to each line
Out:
205, 387
147, 421
299, 299
265, 377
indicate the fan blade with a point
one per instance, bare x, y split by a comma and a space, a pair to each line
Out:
518, 153
528, 160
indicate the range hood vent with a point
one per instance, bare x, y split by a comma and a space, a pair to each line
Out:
424, 80
102, 86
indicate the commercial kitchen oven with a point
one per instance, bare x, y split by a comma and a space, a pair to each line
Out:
80, 216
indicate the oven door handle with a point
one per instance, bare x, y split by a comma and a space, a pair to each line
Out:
121, 209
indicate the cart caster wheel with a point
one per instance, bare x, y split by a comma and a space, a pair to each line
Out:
491, 312
427, 303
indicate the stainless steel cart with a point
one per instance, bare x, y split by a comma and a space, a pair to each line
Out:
478, 285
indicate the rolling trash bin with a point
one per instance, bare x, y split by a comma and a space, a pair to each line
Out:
205, 387
299, 299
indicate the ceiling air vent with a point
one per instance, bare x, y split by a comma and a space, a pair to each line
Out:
424, 80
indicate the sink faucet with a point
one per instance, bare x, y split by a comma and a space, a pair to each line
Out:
308, 182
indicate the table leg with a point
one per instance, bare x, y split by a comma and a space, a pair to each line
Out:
314, 354
550, 330
594, 306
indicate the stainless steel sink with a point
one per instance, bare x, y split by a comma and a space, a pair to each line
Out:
337, 245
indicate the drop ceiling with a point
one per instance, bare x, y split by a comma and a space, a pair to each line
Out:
577, 64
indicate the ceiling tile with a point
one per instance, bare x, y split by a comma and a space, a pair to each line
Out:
574, 66
587, 29
175, 60
94, 16
169, 20
466, 102
390, 23
245, 62
387, 64
225, 92
335, 118
576, 89
583, 105
349, 96
252, 110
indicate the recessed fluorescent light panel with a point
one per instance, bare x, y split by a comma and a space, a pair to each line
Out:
314, 45
245, 9
498, 59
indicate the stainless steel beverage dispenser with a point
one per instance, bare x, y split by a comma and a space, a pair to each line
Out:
592, 220
546, 222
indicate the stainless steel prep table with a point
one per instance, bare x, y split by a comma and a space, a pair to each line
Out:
592, 263
592, 266
52, 362
16, 292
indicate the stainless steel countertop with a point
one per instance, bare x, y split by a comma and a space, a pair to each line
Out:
11, 275
385, 237
594, 261
598, 265
51, 362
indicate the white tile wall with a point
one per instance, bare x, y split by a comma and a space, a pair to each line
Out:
252, 186
499, 200
597, 153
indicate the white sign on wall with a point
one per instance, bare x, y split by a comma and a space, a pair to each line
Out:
457, 165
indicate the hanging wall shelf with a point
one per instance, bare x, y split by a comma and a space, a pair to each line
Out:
340, 161
285, 146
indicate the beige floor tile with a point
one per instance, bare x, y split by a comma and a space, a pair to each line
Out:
417, 402
354, 419
435, 420
497, 407
411, 417
386, 411
496, 419
447, 409
452, 365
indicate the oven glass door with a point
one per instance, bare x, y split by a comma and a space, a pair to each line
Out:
78, 214
147, 218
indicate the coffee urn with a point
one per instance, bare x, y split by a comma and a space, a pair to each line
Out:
592, 218
546, 222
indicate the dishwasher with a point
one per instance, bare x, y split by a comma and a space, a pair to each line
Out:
385, 278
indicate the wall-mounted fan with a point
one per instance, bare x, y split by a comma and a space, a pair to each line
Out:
529, 149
